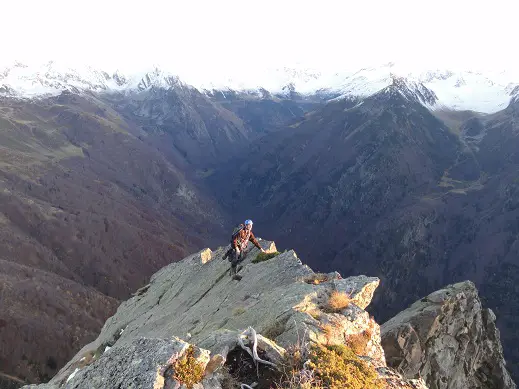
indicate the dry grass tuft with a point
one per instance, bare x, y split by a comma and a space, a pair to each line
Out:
337, 302
328, 331
359, 342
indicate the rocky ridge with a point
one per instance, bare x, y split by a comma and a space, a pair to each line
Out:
194, 309
448, 339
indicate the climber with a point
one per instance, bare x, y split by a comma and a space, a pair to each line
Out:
239, 242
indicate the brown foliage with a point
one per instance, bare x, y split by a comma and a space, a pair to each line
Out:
316, 278
339, 368
187, 370
337, 302
330, 367
359, 342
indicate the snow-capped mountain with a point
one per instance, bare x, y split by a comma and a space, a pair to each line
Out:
415, 91
514, 93
52, 78
461, 90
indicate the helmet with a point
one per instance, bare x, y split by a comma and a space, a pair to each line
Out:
248, 221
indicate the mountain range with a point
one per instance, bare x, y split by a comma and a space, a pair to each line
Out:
485, 92
105, 177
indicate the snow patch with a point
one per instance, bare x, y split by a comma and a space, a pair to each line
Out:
73, 374
460, 90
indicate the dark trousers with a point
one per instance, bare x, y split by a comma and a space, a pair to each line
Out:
235, 260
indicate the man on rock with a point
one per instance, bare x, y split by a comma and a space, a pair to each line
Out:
239, 242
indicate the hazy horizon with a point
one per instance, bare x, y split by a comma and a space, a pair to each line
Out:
192, 36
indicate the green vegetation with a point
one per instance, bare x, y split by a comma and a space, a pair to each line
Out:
187, 370
262, 257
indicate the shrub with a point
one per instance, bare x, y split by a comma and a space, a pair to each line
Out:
338, 367
330, 367
294, 357
337, 302
294, 374
304, 379
187, 370
316, 278
328, 331
262, 257
359, 342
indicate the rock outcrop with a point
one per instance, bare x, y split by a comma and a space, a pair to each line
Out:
192, 311
448, 339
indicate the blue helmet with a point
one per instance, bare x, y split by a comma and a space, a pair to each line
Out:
248, 221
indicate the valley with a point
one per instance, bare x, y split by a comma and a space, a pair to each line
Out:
102, 187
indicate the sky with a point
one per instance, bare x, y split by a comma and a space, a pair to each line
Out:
209, 36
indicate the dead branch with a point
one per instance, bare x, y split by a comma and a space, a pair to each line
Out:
251, 332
